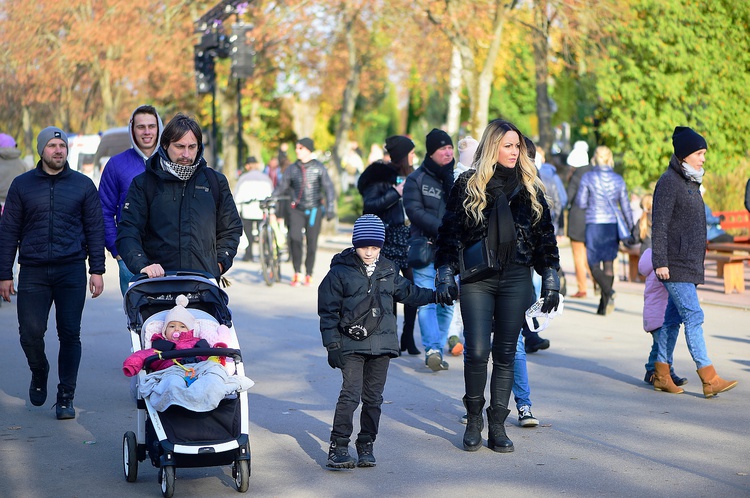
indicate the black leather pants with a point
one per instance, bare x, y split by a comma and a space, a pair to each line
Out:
493, 305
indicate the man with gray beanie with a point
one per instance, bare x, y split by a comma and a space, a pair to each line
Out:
54, 219
425, 195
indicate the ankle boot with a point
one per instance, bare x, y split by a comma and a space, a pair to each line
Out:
64, 408
474, 423
712, 383
498, 440
663, 380
338, 454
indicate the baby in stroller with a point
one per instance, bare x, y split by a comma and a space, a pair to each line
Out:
197, 383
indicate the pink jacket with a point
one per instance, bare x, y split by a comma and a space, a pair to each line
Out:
655, 295
134, 363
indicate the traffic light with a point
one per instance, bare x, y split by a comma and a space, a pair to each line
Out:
242, 51
205, 74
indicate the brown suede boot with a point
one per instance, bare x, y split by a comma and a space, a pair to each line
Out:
663, 381
712, 383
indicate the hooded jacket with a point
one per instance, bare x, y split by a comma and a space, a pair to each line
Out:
536, 244
655, 295
116, 178
347, 284
51, 220
378, 195
179, 227
11, 165
678, 234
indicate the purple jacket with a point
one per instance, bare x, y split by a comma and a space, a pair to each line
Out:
602, 189
655, 295
114, 183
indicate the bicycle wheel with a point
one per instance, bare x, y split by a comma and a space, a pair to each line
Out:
277, 260
266, 246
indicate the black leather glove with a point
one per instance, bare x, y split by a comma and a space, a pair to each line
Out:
446, 290
335, 356
550, 290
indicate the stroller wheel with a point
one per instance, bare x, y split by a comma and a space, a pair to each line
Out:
129, 456
241, 473
166, 477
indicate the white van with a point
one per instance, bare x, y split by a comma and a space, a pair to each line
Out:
81, 151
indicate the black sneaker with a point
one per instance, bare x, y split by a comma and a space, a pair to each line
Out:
338, 455
364, 453
536, 346
525, 418
38, 387
64, 406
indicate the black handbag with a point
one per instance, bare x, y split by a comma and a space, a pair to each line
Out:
479, 260
365, 318
421, 252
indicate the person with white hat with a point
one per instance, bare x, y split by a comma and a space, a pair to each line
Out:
54, 218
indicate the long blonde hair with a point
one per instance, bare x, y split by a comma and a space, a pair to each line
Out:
485, 161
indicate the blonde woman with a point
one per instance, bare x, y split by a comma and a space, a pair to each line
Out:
505, 180
602, 192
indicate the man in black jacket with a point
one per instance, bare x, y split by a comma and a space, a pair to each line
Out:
54, 219
306, 182
425, 194
179, 214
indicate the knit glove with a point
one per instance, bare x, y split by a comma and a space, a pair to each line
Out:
446, 290
550, 290
335, 356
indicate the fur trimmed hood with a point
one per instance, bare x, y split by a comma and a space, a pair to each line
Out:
377, 172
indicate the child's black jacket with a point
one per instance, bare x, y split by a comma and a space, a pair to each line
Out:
347, 284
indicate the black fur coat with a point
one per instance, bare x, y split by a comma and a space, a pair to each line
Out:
378, 195
536, 244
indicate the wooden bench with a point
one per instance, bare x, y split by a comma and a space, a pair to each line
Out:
737, 223
730, 267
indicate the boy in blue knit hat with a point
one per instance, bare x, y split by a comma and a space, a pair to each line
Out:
358, 326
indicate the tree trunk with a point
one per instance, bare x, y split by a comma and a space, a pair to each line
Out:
453, 120
541, 73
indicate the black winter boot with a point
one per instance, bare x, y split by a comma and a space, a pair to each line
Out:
365, 458
474, 423
64, 406
498, 439
338, 455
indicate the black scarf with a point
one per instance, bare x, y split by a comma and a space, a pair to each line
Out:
443, 173
504, 184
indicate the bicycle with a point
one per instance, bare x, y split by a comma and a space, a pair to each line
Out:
268, 242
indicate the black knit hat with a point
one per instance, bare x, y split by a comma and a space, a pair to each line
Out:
307, 143
436, 139
398, 146
368, 232
686, 141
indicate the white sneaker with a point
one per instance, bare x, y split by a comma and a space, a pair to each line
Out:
525, 418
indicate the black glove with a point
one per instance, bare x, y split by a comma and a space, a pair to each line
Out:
722, 218
550, 290
335, 356
330, 213
446, 290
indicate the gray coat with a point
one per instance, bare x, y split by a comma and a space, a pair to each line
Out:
679, 226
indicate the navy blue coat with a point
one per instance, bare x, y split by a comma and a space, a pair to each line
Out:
51, 220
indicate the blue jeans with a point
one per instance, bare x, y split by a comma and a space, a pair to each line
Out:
38, 288
652, 357
683, 307
125, 276
521, 389
434, 320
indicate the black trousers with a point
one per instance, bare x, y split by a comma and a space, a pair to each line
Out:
309, 220
363, 378
249, 225
497, 304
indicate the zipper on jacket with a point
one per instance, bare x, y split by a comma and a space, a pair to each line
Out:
51, 216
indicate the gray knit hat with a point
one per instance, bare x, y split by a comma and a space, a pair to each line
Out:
368, 231
48, 134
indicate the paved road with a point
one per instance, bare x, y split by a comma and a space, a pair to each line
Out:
604, 432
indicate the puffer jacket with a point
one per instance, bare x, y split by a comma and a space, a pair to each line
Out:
51, 220
655, 295
378, 195
600, 190
678, 234
347, 284
116, 178
180, 228
536, 244
306, 184
424, 200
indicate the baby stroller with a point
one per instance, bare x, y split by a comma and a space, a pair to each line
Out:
176, 436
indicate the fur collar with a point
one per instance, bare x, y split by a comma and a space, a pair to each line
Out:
377, 172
